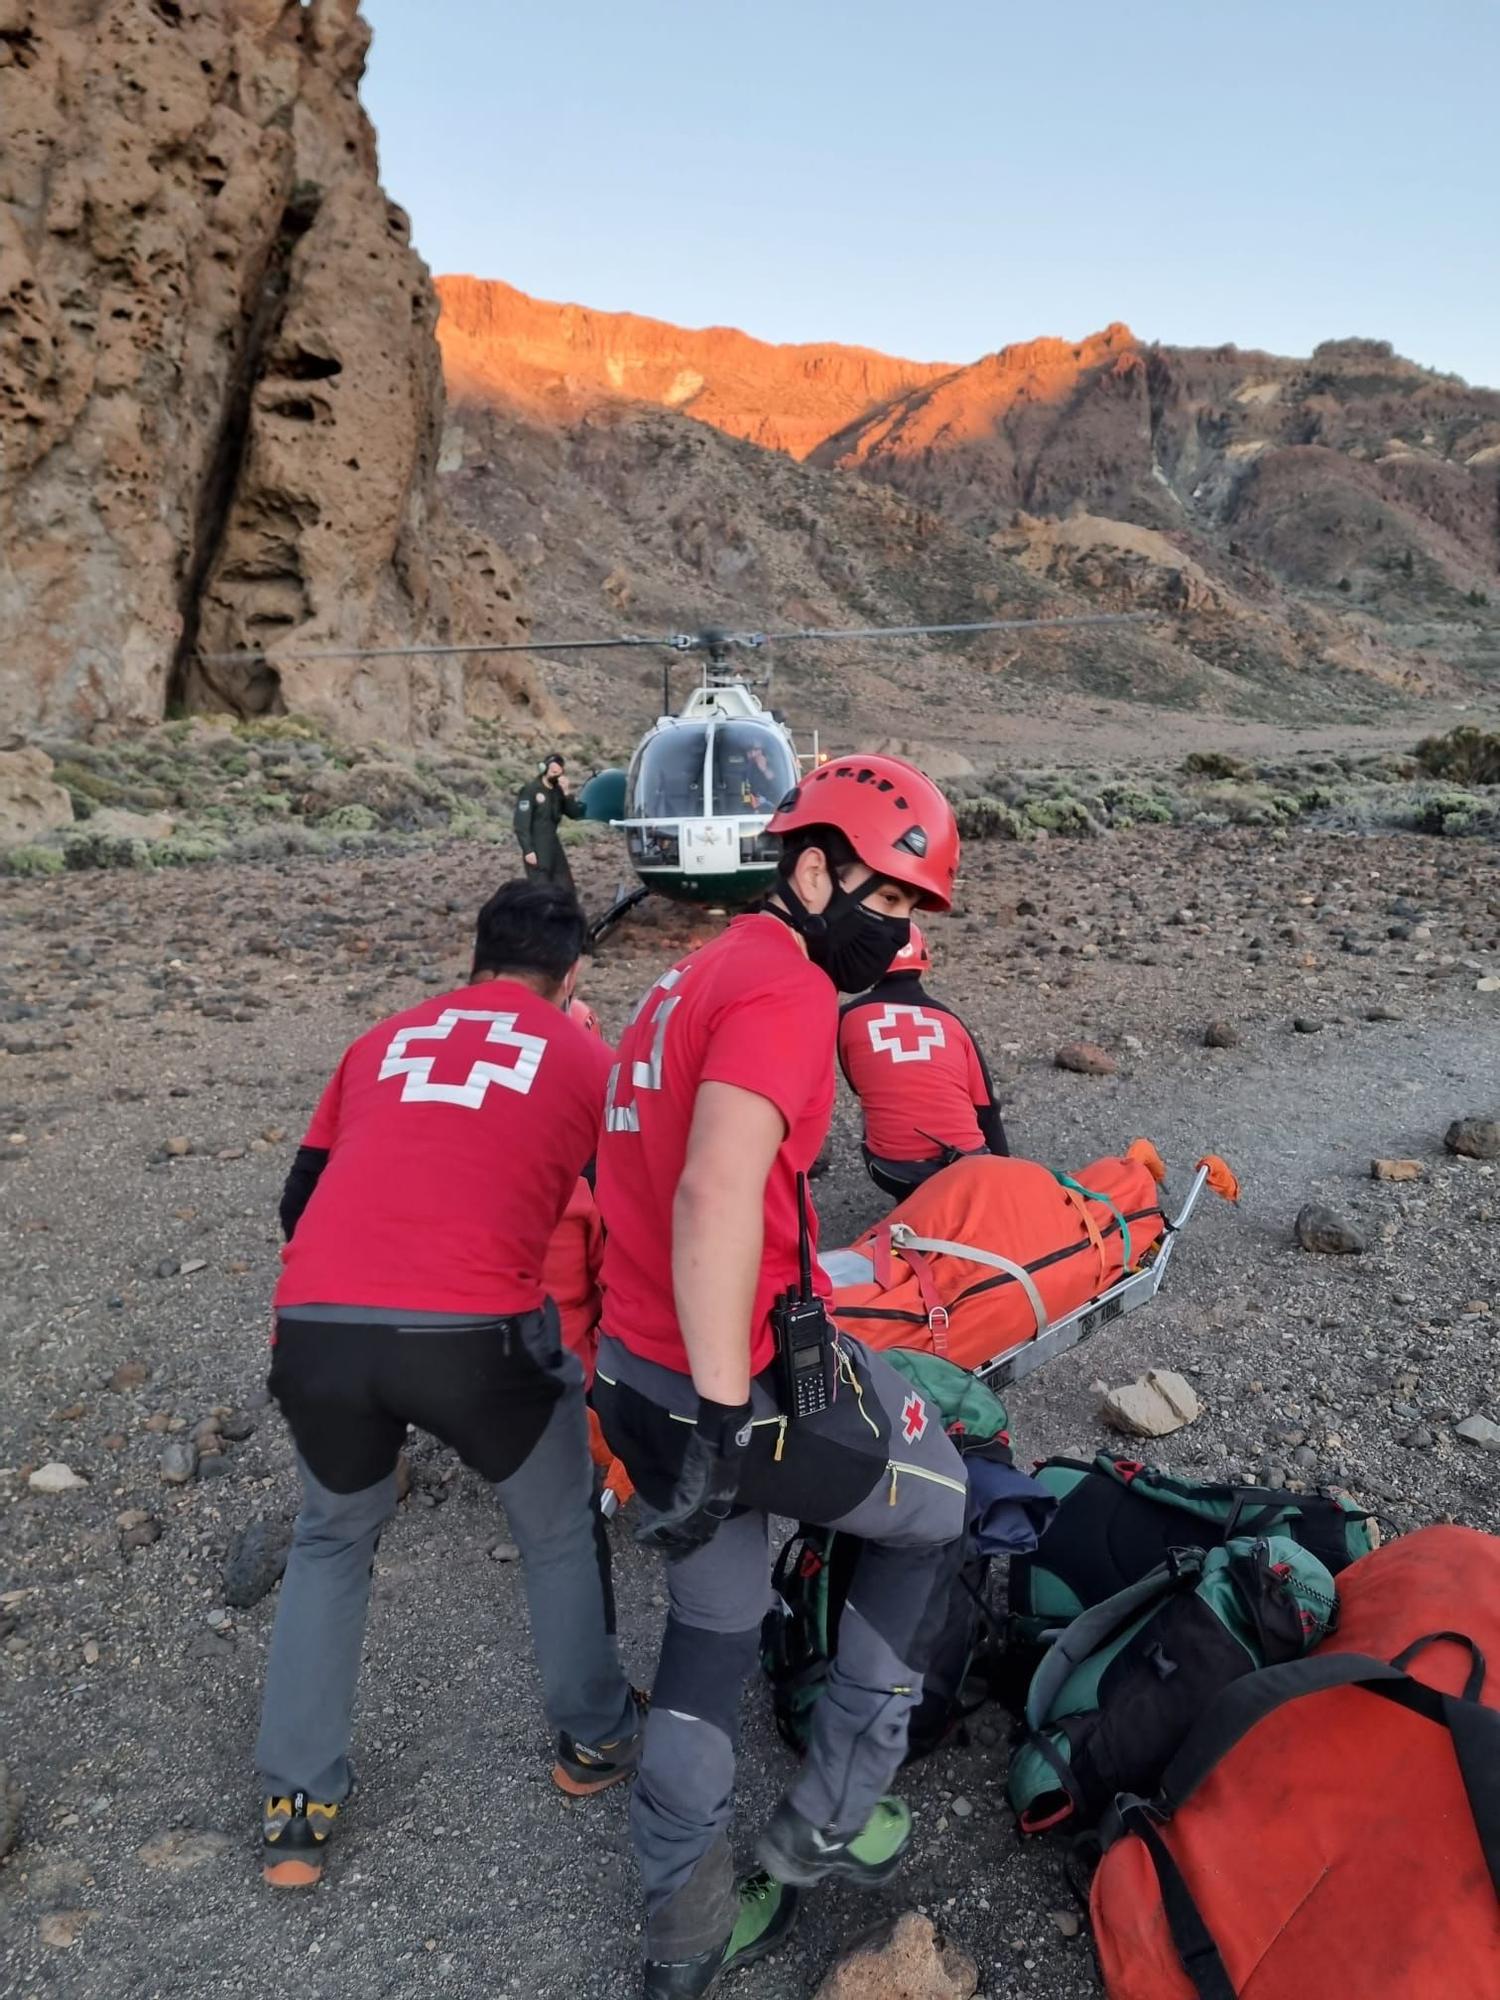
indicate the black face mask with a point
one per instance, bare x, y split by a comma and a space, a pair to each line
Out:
853, 945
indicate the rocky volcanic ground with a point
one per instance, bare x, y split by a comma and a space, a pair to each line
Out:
166, 1038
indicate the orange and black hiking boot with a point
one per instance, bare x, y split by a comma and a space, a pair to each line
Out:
585, 1768
294, 1830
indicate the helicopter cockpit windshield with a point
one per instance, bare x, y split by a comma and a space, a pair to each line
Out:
701, 772
753, 770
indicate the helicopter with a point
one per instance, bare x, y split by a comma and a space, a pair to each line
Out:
701, 785
699, 789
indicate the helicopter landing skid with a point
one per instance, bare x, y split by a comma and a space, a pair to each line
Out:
627, 900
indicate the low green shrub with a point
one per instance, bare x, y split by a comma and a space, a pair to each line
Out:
1128, 805
32, 860
1467, 755
352, 818
1213, 764
987, 819
187, 850
1060, 815
83, 849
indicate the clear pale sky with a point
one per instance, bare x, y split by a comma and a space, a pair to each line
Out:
937, 178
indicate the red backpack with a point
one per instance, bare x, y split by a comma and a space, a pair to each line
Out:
1330, 1830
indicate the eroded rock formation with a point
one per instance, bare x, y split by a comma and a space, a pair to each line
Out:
220, 396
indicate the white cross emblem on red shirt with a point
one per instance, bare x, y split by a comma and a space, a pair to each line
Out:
906, 1034
913, 1418
418, 1086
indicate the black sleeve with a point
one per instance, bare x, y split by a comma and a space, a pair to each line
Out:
571, 806
301, 1179
990, 1127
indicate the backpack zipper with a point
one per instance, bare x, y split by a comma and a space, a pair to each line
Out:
921, 1472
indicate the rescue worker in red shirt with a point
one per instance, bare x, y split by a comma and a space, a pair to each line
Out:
922, 1083
720, 1098
418, 1214
573, 1275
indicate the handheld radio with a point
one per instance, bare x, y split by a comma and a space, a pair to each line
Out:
806, 1343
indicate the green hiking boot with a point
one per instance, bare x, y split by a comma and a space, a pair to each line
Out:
767, 1912
794, 1850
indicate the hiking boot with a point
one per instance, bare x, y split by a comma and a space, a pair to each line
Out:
767, 1912
794, 1850
585, 1768
294, 1830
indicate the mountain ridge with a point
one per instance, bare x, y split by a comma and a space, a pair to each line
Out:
1301, 529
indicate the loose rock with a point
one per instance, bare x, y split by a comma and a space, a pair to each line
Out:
1068, 1922
138, 1529
1318, 1228
62, 1928
181, 1848
1221, 1035
179, 1462
1085, 1059
1160, 1402
1307, 1024
902, 1961
1479, 1431
1396, 1170
1474, 1138
255, 1562
129, 1375
54, 1477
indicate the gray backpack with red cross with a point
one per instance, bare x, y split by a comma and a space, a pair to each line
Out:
1008, 1511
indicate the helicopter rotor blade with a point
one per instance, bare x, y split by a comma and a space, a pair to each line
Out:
686, 642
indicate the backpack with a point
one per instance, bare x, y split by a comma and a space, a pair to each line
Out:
1330, 1830
984, 1253
1120, 1687
799, 1635
1117, 1519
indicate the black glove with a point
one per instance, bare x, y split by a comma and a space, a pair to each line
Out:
703, 1496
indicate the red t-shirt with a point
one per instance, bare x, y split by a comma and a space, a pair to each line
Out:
747, 1009
456, 1133
571, 1274
916, 1074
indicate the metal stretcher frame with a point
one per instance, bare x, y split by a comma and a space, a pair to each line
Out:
1056, 1336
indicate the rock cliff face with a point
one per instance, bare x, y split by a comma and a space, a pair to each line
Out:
220, 395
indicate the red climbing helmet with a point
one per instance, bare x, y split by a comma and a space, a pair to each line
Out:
581, 1012
913, 957
891, 814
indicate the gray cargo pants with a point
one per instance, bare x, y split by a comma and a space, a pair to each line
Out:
511, 1404
878, 1466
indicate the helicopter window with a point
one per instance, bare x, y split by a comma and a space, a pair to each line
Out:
666, 779
753, 770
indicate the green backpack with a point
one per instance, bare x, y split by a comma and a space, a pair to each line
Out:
1118, 1518
799, 1635
1120, 1687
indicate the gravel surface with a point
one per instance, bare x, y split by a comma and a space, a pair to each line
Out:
165, 1039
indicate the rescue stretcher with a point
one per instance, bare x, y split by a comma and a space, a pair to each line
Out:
1051, 1333
1017, 1354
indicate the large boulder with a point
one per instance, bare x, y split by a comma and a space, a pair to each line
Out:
904, 1960
30, 803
